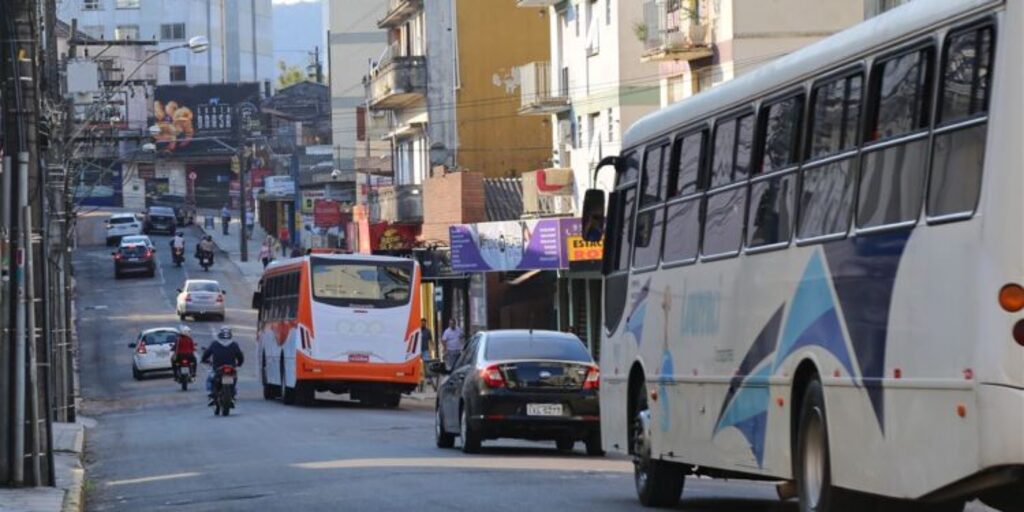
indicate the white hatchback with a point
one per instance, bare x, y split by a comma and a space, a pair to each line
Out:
120, 225
200, 297
152, 351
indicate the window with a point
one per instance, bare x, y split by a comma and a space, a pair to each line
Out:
781, 134
561, 348
127, 4
835, 116
771, 212
723, 221
620, 214
576, 17
608, 12
177, 73
723, 209
593, 29
682, 224
126, 33
826, 200
579, 129
172, 32
92, 5
893, 177
688, 152
733, 141
611, 125
93, 31
345, 283
958, 153
593, 130
649, 220
625, 218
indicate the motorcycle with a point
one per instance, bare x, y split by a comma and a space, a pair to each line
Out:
206, 260
224, 390
178, 255
183, 373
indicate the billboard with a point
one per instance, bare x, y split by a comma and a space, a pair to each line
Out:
193, 118
537, 244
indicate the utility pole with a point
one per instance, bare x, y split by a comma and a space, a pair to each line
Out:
243, 166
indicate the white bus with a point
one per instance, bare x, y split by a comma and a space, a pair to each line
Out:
342, 323
813, 272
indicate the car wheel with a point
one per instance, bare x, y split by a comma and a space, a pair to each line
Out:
136, 374
441, 436
565, 444
593, 443
470, 435
152, 272
658, 483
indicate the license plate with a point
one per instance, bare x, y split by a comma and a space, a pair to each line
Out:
227, 380
358, 358
543, 409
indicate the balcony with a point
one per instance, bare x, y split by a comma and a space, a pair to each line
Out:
401, 203
537, 3
673, 31
537, 94
398, 12
397, 80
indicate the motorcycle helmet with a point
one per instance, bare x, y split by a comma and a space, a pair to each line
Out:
224, 333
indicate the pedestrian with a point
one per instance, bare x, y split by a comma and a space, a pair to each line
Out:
225, 218
451, 338
422, 341
275, 247
266, 251
250, 221
284, 237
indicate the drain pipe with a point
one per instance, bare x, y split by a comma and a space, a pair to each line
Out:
18, 455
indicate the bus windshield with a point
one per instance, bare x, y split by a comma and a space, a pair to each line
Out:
361, 284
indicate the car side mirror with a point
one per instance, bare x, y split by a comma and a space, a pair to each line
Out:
225, 292
593, 220
113, 253
132, 345
439, 368
179, 290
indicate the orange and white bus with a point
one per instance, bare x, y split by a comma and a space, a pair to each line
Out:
342, 323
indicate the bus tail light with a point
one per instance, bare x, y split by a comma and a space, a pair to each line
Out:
593, 380
492, 377
1011, 297
1018, 332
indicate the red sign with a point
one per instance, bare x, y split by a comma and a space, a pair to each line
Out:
326, 213
393, 237
256, 176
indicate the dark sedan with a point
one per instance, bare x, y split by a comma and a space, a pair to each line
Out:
537, 385
160, 219
184, 210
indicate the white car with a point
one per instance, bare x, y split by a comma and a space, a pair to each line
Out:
137, 239
152, 351
200, 297
120, 225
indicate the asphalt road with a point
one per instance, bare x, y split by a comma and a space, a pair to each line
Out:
155, 447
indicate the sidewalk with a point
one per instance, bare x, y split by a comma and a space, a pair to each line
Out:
68, 495
251, 270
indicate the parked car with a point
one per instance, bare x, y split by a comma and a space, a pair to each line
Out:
134, 258
137, 239
526, 384
184, 210
200, 297
152, 351
160, 219
120, 225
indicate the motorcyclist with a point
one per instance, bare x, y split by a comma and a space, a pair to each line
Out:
185, 349
205, 246
220, 353
178, 244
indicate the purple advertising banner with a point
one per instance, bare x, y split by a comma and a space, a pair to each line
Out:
538, 244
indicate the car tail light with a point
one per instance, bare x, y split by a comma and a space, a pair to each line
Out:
149, 253
188, 297
220, 298
141, 348
492, 377
593, 380
117, 257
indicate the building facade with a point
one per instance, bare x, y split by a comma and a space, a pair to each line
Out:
240, 34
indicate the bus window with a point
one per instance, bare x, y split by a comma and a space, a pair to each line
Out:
781, 134
683, 179
892, 178
357, 284
651, 180
682, 225
771, 210
835, 116
723, 211
959, 151
649, 219
733, 140
723, 221
625, 227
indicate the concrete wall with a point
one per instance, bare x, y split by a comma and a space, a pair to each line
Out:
354, 41
494, 38
441, 31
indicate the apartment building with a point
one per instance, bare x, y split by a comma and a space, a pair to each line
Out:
240, 34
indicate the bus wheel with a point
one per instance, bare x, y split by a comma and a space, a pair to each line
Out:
658, 483
813, 461
391, 400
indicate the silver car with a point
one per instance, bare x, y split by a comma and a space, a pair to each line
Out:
200, 297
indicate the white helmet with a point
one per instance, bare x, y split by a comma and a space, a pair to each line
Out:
186, 330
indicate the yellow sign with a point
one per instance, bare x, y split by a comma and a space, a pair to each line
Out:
236, 165
582, 250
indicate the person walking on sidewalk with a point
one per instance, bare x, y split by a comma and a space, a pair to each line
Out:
225, 218
283, 236
266, 249
451, 338
423, 340
249, 223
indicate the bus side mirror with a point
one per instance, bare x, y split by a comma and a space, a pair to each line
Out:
593, 220
257, 300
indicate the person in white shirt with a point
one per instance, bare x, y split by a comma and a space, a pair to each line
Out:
451, 338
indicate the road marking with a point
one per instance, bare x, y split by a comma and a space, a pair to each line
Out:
497, 463
97, 308
148, 479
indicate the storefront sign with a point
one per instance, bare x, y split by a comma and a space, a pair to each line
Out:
393, 237
511, 245
584, 255
309, 198
278, 186
326, 213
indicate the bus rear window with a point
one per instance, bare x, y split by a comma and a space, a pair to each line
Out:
361, 284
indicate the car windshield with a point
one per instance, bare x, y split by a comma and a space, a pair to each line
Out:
134, 240
203, 286
359, 283
122, 220
160, 337
161, 211
133, 251
536, 347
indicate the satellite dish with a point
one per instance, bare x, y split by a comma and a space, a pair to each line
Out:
438, 154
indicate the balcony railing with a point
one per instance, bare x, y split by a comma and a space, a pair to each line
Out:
675, 31
400, 203
538, 93
397, 79
398, 12
537, 3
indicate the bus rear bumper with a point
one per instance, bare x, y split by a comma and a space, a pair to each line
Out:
403, 375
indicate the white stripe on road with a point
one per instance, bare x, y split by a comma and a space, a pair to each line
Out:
497, 463
148, 479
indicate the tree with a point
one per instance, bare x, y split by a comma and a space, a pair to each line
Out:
289, 75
